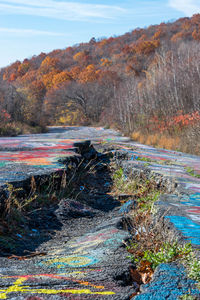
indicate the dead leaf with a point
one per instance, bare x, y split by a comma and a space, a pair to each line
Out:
134, 294
145, 271
27, 256
136, 276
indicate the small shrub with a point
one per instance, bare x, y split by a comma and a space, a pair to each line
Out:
167, 253
187, 297
193, 265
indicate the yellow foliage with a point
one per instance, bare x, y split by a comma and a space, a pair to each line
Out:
23, 68
60, 78
146, 47
48, 79
74, 72
48, 65
79, 56
102, 43
71, 115
158, 34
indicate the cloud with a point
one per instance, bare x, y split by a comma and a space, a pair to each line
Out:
61, 10
29, 32
188, 7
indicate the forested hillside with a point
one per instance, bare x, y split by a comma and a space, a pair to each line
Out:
145, 82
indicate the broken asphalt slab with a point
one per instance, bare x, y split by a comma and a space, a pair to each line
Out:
37, 154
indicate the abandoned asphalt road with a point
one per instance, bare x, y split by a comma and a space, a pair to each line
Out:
85, 257
83, 254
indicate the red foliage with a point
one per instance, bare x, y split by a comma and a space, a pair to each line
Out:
4, 116
175, 122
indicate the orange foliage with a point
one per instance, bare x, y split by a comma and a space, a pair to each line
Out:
74, 72
13, 77
47, 79
196, 34
129, 69
37, 89
180, 36
102, 43
29, 77
49, 64
143, 37
89, 74
147, 47
115, 60
79, 56
186, 25
158, 34
61, 78
105, 62
23, 68
195, 19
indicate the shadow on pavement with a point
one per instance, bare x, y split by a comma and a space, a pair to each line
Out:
87, 196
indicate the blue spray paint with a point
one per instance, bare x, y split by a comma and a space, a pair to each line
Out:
189, 229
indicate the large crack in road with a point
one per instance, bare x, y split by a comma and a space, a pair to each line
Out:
85, 258
75, 249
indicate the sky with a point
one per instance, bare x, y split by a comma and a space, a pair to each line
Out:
29, 27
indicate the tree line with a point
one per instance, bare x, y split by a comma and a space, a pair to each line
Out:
145, 80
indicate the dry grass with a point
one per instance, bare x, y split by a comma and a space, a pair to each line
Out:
135, 135
152, 139
17, 128
169, 142
187, 141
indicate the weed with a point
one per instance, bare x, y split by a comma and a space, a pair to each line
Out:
193, 266
144, 191
167, 253
191, 172
118, 175
15, 205
143, 159
187, 297
146, 164
147, 203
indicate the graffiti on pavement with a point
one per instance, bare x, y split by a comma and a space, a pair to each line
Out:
23, 284
189, 229
69, 261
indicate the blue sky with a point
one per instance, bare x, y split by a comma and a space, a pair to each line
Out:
29, 27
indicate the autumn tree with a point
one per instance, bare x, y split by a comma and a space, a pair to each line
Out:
48, 65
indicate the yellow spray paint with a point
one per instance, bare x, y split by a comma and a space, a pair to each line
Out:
71, 261
66, 291
17, 287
